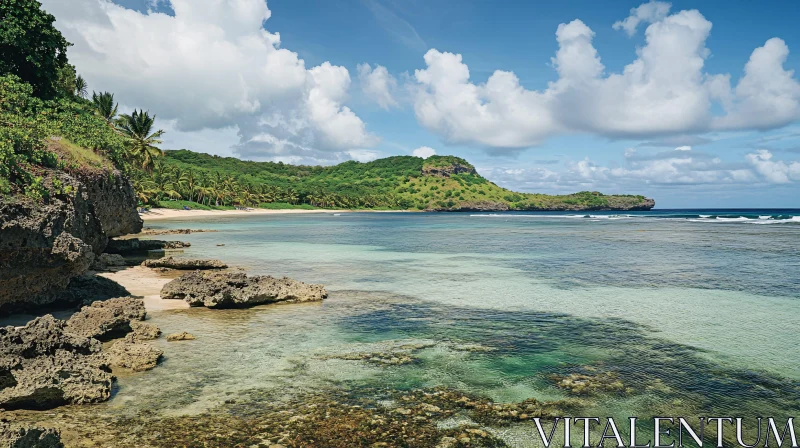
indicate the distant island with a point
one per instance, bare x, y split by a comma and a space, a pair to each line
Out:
438, 183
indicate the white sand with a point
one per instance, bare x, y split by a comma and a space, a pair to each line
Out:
165, 213
145, 282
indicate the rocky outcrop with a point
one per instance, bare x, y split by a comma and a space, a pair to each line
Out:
16, 436
184, 263
236, 289
105, 262
108, 319
142, 332
182, 336
42, 366
151, 232
134, 356
43, 245
447, 170
137, 246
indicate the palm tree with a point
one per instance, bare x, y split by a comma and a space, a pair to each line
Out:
81, 87
106, 107
138, 127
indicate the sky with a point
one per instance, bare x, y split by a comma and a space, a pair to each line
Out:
695, 104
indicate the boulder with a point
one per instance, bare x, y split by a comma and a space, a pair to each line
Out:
16, 436
89, 288
236, 290
134, 356
182, 336
106, 261
108, 319
184, 263
43, 366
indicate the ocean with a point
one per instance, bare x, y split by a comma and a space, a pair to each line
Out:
672, 312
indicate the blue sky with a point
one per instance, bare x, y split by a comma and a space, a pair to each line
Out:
686, 124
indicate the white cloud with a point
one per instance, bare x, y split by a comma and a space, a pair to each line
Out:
213, 66
767, 96
683, 148
664, 92
774, 171
424, 152
647, 12
645, 171
378, 85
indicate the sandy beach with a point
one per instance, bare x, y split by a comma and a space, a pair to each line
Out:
165, 213
147, 283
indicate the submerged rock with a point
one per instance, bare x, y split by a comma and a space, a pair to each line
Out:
43, 366
183, 336
580, 384
184, 263
108, 319
137, 246
134, 356
236, 289
16, 436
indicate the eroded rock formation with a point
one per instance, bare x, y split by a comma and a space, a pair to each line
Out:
42, 366
107, 319
43, 245
184, 263
236, 289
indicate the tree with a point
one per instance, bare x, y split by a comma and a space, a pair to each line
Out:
31, 47
106, 107
137, 127
81, 87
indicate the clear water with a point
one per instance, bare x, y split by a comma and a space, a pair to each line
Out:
695, 311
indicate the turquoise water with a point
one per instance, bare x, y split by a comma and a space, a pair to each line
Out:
695, 312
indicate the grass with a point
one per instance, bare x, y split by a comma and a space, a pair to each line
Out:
74, 155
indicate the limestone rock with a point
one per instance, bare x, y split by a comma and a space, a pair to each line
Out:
134, 356
44, 245
184, 263
106, 261
108, 319
236, 289
16, 436
137, 246
183, 336
142, 331
43, 366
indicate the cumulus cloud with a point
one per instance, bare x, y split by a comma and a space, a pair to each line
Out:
663, 169
378, 85
424, 152
647, 12
664, 92
774, 171
212, 65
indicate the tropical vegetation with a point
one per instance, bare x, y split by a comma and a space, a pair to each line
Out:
47, 121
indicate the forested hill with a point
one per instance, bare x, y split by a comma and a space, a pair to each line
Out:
400, 182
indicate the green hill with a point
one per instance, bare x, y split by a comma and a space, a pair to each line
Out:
401, 182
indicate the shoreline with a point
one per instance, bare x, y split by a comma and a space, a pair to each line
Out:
147, 283
158, 214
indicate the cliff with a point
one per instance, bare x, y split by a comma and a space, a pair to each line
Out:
45, 244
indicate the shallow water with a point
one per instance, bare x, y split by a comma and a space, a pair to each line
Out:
695, 315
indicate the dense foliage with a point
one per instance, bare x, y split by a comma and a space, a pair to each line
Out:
396, 182
33, 49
